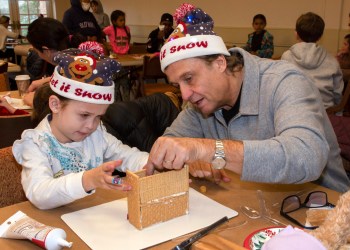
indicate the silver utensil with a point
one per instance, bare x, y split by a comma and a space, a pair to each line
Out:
254, 214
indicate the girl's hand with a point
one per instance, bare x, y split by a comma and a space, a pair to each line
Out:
101, 177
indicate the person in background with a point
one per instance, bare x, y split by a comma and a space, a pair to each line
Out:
262, 119
260, 42
158, 36
101, 17
314, 60
7, 109
70, 154
343, 55
47, 36
118, 34
4, 34
78, 19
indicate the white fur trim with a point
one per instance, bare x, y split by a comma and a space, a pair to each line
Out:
191, 46
81, 91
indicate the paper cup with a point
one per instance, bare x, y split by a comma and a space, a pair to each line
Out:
22, 82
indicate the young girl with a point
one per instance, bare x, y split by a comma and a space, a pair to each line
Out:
260, 42
343, 55
70, 154
118, 34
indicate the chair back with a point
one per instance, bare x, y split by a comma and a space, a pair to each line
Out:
3, 67
152, 69
138, 48
4, 83
11, 190
12, 128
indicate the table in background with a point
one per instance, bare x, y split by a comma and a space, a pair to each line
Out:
233, 195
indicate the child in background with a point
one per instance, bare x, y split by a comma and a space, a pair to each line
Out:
70, 154
101, 17
260, 42
343, 55
118, 34
314, 60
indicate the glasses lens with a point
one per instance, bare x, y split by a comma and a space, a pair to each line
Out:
316, 199
291, 204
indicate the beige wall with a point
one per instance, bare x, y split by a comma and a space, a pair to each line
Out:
233, 18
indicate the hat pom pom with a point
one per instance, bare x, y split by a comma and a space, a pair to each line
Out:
181, 12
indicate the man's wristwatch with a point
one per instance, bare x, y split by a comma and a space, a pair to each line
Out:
219, 161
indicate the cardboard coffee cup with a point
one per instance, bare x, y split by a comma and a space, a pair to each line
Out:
22, 82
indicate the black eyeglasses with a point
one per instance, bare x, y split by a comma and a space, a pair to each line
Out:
313, 200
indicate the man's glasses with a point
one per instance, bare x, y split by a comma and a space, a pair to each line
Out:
313, 200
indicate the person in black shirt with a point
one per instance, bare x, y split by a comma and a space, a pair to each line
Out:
157, 37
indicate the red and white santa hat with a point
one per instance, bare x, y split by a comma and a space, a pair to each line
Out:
84, 78
194, 36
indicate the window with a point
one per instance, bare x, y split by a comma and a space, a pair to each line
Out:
23, 12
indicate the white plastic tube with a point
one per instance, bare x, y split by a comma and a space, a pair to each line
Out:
20, 226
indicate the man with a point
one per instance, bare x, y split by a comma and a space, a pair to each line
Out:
4, 34
158, 36
262, 119
78, 19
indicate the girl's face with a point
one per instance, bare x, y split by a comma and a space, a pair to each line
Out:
73, 121
94, 8
120, 22
259, 25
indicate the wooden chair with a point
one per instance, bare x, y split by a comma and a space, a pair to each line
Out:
344, 101
138, 48
152, 73
11, 190
12, 128
4, 83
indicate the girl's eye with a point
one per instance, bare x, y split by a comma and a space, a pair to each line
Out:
84, 115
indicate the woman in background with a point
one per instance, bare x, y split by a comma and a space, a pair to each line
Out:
101, 17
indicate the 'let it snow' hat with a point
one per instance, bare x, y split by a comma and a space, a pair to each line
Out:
194, 36
83, 78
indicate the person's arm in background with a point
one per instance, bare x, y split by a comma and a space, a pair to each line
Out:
7, 109
248, 45
152, 43
338, 84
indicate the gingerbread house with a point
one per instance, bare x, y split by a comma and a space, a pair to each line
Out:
157, 198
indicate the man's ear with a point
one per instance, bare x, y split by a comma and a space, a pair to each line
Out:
54, 104
221, 63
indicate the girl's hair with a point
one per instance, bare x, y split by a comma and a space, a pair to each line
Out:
235, 61
41, 103
94, 2
259, 16
114, 17
48, 32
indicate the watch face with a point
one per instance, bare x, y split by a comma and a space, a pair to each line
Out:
218, 163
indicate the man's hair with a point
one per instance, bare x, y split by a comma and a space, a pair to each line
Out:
310, 27
4, 19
